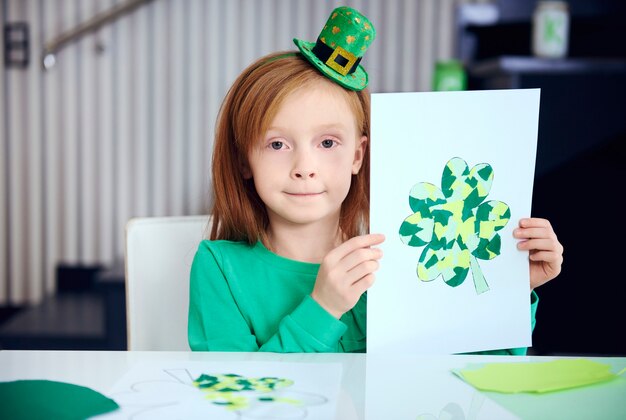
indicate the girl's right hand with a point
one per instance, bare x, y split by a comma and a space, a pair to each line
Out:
346, 272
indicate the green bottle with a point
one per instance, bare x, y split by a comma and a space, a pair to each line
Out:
449, 75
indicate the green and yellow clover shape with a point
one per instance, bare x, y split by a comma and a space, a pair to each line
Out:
235, 392
455, 223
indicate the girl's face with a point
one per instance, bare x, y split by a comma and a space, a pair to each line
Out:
303, 165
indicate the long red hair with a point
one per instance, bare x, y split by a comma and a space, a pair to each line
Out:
246, 112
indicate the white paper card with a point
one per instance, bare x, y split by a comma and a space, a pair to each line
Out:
227, 390
414, 137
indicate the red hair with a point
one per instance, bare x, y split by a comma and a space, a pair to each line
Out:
245, 115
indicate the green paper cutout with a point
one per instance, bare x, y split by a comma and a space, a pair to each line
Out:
225, 389
41, 399
536, 377
455, 223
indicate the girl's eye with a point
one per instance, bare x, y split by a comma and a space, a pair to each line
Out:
328, 143
276, 145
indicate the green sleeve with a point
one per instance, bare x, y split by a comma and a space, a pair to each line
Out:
309, 328
216, 322
520, 351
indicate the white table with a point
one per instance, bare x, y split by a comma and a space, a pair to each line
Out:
373, 387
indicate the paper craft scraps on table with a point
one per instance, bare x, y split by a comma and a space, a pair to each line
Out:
537, 377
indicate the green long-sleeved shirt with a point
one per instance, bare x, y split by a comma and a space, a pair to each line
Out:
246, 298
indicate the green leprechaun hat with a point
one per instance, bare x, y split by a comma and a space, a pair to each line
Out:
340, 47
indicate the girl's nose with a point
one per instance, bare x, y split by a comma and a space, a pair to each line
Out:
303, 166
303, 173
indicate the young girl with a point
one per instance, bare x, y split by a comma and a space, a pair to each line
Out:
289, 261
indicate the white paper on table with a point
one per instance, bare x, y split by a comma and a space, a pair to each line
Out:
413, 136
162, 390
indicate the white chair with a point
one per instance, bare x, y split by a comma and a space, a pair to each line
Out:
159, 253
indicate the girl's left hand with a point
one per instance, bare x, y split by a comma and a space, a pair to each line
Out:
545, 250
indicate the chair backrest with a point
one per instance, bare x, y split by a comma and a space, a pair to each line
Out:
159, 253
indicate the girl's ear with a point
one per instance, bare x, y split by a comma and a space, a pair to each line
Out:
359, 153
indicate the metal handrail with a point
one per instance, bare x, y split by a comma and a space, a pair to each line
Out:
52, 47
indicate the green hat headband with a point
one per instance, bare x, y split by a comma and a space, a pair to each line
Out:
340, 47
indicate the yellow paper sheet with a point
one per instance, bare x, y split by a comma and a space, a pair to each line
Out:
536, 376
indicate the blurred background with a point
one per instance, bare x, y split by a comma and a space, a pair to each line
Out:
107, 109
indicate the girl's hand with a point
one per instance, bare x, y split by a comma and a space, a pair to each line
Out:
346, 272
545, 250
